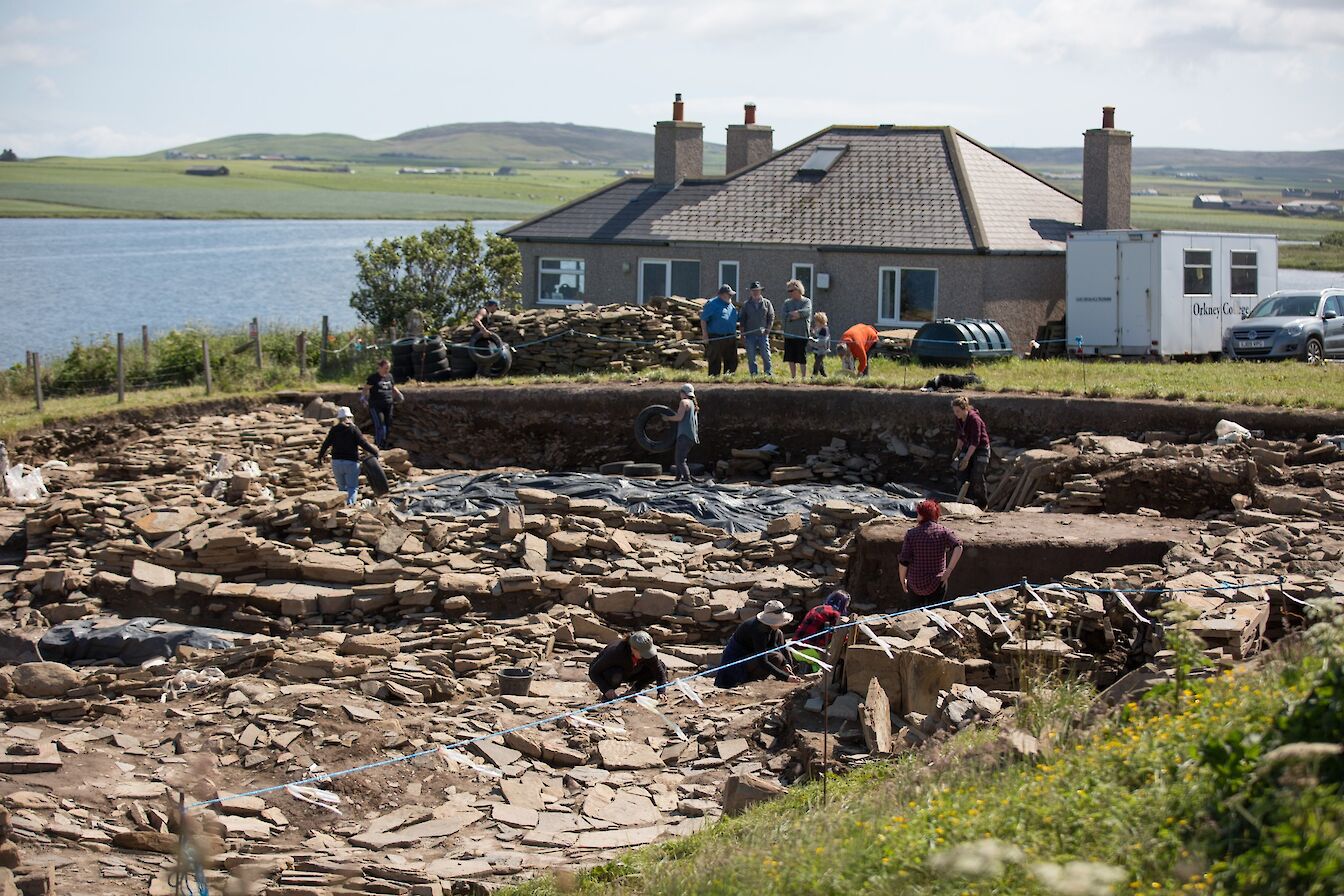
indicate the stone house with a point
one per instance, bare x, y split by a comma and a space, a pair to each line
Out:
887, 225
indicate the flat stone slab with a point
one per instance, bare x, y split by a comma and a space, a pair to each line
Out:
624, 755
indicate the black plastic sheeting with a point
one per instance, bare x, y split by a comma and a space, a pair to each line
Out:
736, 508
131, 642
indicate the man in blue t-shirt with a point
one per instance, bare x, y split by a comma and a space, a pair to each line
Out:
718, 325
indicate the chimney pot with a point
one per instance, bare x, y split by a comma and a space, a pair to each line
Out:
678, 109
1108, 117
749, 113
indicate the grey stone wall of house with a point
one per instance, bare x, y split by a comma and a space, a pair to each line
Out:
1019, 291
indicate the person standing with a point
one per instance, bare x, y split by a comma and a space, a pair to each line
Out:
924, 563
687, 419
797, 326
755, 651
718, 325
758, 319
380, 393
857, 342
820, 343
970, 458
633, 662
344, 441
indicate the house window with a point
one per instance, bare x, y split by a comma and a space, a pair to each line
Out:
906, 295
1198, 272
803, 274
728, 273
560, 281
668, 277
1244, 274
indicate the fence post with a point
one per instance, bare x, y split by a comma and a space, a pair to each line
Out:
205, 355
121, 368
256, 341
37, 378
301, 347
144, 342
323, 348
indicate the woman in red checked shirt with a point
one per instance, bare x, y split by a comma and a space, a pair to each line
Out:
924, 562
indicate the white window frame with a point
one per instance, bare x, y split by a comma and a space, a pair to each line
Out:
1186, 266
582, 272
736, 282
896, 280
667, 276
811, 276
1254, 266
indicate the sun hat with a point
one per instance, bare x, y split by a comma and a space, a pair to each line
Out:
642, 644
687, 389
755, 284
344, 413
773, 615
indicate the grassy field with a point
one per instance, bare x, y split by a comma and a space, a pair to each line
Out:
67, 187
1287, 384
1179, 793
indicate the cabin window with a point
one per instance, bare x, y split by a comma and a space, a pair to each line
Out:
906, 296
728, 273
803, 274
668, 277
1198, 272
560, 281
1245, 273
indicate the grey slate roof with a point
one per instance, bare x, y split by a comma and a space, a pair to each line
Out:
894, 188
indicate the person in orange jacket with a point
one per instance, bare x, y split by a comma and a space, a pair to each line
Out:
857, 342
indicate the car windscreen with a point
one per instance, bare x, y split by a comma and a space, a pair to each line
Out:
1287, 306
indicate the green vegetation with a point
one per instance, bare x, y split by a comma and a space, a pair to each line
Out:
1328, 256
444, 273
64, 187
1229, 785
1285, 384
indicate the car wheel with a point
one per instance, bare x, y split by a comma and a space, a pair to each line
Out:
1314, 351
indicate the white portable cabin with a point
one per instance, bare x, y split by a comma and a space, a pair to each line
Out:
1163, 292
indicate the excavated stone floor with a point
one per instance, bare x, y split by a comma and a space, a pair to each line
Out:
361, 635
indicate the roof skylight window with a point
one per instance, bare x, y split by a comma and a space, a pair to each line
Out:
822, 158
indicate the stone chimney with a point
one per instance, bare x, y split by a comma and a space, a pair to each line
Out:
1106, 175
678, 148
749, 143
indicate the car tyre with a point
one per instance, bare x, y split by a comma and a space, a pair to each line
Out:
1314, 351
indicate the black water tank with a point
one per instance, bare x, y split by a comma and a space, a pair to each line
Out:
960, 342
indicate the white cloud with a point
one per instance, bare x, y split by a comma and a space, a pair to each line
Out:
96, 140
47, 87
730, 23
30, 26
41, 55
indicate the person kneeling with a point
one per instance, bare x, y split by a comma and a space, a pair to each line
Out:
754, 652
632, 662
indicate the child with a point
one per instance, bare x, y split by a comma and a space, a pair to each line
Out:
820, 344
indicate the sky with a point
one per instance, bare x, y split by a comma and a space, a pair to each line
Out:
120, 77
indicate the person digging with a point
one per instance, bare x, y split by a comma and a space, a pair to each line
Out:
633, 662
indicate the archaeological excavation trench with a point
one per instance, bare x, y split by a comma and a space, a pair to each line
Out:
343, 637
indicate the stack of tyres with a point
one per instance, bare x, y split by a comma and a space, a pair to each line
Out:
403, 360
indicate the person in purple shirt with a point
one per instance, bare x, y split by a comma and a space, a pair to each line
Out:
970, 459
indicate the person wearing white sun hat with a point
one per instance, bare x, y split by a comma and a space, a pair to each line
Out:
741, 662
344, 441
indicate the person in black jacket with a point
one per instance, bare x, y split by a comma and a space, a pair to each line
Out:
344, 441
631, 661
744, 656
380, 392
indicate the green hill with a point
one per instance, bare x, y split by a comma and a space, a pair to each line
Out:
1320, 167
521, 144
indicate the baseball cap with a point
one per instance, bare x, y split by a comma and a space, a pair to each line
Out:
726, 289
687, 389
755, 284
492, 301
642, 642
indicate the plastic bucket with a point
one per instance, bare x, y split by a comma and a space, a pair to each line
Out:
514, 682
